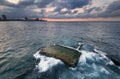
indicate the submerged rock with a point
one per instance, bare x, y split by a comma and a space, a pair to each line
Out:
115, 59
69, 56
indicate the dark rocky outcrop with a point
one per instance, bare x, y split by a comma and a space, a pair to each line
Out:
69, 56
115, 59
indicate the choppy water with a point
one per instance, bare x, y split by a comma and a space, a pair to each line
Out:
19, 42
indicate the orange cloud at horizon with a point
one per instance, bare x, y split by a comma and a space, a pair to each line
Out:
84, 19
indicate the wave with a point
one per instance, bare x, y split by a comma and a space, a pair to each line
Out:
91, 65
46, 63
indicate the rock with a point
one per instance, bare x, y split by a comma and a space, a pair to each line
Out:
69, 56
114, 68
115, 59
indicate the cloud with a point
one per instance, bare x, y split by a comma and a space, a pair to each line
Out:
93, 9
43, 3
61, 8
21, 13
113, 10
38, 3
21, 8
72, 4
26, 2
7, 3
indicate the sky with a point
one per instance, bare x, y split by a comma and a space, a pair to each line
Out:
62, 9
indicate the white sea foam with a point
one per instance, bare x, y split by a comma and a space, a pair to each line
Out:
46, 63
86, 55
103, 56
104, 70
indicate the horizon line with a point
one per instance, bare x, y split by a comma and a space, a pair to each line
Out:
84, 19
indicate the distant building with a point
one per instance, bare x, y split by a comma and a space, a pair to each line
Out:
4, 17
37, 19
26, 18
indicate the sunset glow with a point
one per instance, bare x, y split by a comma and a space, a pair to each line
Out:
83, 19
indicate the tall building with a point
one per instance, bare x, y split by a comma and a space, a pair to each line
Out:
4, 17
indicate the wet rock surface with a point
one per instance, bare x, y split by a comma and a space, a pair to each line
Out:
115, 59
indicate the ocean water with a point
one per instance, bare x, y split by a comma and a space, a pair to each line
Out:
20, 42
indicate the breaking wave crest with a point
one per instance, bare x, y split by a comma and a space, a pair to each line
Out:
91, 65
46, 63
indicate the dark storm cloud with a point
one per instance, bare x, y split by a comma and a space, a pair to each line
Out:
18, 13
114, 6
68, 12
3, 2
72, 4
6, 3
69, 5
26, 2
43, 3
93, 8
113, 10
21, 13
19, 9
25, 8
38, 3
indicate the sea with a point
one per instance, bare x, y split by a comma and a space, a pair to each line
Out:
21, 42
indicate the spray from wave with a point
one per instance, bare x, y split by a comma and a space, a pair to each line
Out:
91, 65
46, 63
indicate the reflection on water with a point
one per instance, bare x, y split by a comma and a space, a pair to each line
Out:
20, 40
